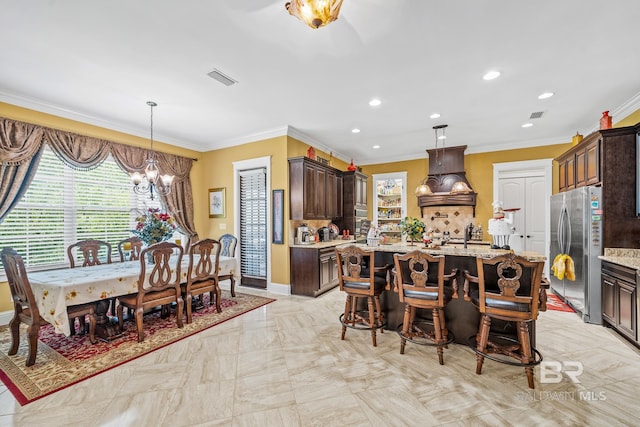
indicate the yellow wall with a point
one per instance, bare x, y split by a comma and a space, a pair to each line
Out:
479, 171
214, 169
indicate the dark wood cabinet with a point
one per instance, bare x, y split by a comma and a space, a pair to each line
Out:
313, 270
607, 158
354, 204
619, 299
315, 190
580, 166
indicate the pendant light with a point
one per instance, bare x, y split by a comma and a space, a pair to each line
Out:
151, 181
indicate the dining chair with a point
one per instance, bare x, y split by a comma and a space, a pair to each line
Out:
89, 251
423, 284
134, 250
26, 309
360, 278
202, 274
160, 287
508, 289
229, 243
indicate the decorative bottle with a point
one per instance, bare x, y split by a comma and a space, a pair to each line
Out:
605, 120
351, 167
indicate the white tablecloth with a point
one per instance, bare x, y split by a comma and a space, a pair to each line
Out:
54, 290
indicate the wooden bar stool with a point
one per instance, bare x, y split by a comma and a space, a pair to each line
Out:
359, 278
508, 289
421, 283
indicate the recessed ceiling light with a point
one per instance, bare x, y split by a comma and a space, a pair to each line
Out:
375, 147
545, 95
375, 102
355, 130
491, 75
434, 116
527, 125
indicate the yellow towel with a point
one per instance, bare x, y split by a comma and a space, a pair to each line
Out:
563, 264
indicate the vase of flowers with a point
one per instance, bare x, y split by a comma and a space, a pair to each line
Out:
154, 226
413, 228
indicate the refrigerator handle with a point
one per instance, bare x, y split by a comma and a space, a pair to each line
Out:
568, 224
561, 229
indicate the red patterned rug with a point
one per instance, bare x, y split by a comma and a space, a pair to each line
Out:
62, 361
555, 303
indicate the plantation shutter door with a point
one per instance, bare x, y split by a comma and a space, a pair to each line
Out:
253, 227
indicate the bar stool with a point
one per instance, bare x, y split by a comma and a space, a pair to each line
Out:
421, 283
360, 278
508, 289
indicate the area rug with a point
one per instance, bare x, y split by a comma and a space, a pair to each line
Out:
555, 303
62, 361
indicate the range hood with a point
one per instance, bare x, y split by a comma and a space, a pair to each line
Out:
446, 167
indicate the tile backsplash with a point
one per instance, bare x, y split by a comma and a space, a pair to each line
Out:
448, 218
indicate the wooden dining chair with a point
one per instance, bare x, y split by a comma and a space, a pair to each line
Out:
423, 284
26, 309
90, 252
134, 252
508, 289
359, 278
160, 287
202, 274
229, 243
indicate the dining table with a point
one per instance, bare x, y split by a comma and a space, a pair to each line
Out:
55, 290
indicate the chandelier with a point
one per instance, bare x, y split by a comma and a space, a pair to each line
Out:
151, 182
314, 13
423, 189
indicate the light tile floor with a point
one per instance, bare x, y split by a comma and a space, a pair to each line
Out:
285, 365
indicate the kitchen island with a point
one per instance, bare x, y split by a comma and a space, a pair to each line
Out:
462, 317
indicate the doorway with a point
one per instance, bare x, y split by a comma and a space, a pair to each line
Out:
526, 185
251, 184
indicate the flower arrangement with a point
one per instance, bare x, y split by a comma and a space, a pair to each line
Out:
154, 226
412, 227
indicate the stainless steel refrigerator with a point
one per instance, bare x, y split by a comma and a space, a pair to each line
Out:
576, 229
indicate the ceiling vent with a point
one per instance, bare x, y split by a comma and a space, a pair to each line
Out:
536, 115
221, 77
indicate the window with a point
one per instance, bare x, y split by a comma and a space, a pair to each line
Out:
64, 205
253, 227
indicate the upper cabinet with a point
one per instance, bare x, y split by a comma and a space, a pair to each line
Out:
580, 166
315, 190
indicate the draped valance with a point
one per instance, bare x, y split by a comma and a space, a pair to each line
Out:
22, 144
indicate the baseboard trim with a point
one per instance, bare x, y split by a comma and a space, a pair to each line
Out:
279, 288
5, 317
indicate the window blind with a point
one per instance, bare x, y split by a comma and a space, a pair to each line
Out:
63, 205
253, 223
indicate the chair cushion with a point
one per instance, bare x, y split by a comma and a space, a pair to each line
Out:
429, 295
131, 299
474, 294
379, 284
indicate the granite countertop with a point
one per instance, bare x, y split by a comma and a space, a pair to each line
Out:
622, 256
472, 250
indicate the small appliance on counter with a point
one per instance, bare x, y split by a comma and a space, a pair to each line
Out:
305, 235
324, 234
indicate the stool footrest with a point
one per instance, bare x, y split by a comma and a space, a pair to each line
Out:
508, 350
361, 321
418, 335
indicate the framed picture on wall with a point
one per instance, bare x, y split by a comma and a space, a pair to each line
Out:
217, 208
277, 203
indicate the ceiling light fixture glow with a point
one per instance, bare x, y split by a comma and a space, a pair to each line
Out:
375, 147
375, 102
434, 116
314, 13
355, 130
491, 75
545, 95
527, 125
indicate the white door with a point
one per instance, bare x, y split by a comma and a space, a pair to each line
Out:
527, 194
